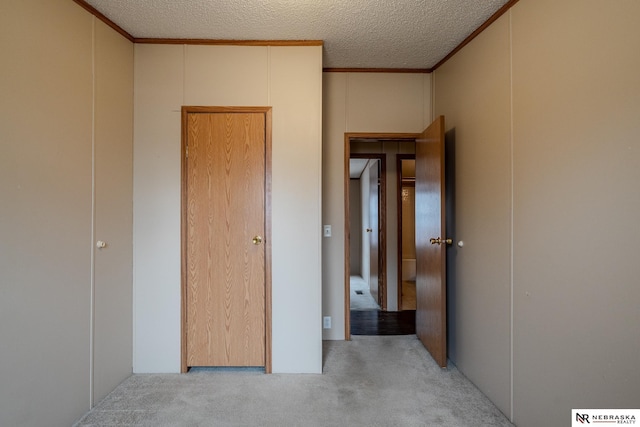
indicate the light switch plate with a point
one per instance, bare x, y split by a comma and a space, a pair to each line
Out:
327, 231
326, 322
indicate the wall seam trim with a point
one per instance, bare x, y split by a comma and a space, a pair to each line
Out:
432, 97
184, 73
269, 78
93, 216
346, 103
511, 385
134, 346
424, 103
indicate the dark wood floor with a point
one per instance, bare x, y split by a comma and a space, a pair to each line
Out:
377, 322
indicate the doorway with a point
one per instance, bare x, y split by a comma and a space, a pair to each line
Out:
226, 236
430, 240
372, 146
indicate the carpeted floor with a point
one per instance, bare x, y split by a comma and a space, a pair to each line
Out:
369, 381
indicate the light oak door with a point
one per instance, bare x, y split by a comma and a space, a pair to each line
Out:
431, 302
225, 238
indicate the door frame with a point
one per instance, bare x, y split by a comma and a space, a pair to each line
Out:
186, 110
348, 138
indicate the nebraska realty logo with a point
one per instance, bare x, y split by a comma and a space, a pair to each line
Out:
580, 417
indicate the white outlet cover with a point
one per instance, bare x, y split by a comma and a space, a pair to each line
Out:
326, 322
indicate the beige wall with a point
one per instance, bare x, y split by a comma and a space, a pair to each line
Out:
472, 92
543, 108
361, 102
290, 80
48, 329
113, 223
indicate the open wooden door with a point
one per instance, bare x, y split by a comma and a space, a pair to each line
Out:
431, 302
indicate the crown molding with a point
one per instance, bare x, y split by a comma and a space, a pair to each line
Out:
230, 42
377, 70
477, 32
92, 10
132, 39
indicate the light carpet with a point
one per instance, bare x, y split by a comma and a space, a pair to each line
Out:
369, 381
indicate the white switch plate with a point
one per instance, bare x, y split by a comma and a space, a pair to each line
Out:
326, 322
327, 231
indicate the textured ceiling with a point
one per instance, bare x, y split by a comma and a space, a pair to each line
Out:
356, 33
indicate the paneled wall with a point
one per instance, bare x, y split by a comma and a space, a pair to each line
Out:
472, 92
65, 177
542, 111
361, 102
113, 218
290, 80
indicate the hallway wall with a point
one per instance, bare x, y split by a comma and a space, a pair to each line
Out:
542, 110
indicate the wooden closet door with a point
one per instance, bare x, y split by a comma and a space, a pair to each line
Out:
225, 232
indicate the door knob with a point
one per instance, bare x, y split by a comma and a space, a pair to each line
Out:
439, 241
257, 240
100, 244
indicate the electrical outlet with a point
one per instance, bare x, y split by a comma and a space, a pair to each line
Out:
326, 322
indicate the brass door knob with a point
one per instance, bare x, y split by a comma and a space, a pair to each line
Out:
439, 241
257, 240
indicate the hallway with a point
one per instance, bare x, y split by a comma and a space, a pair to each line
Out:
366, 318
